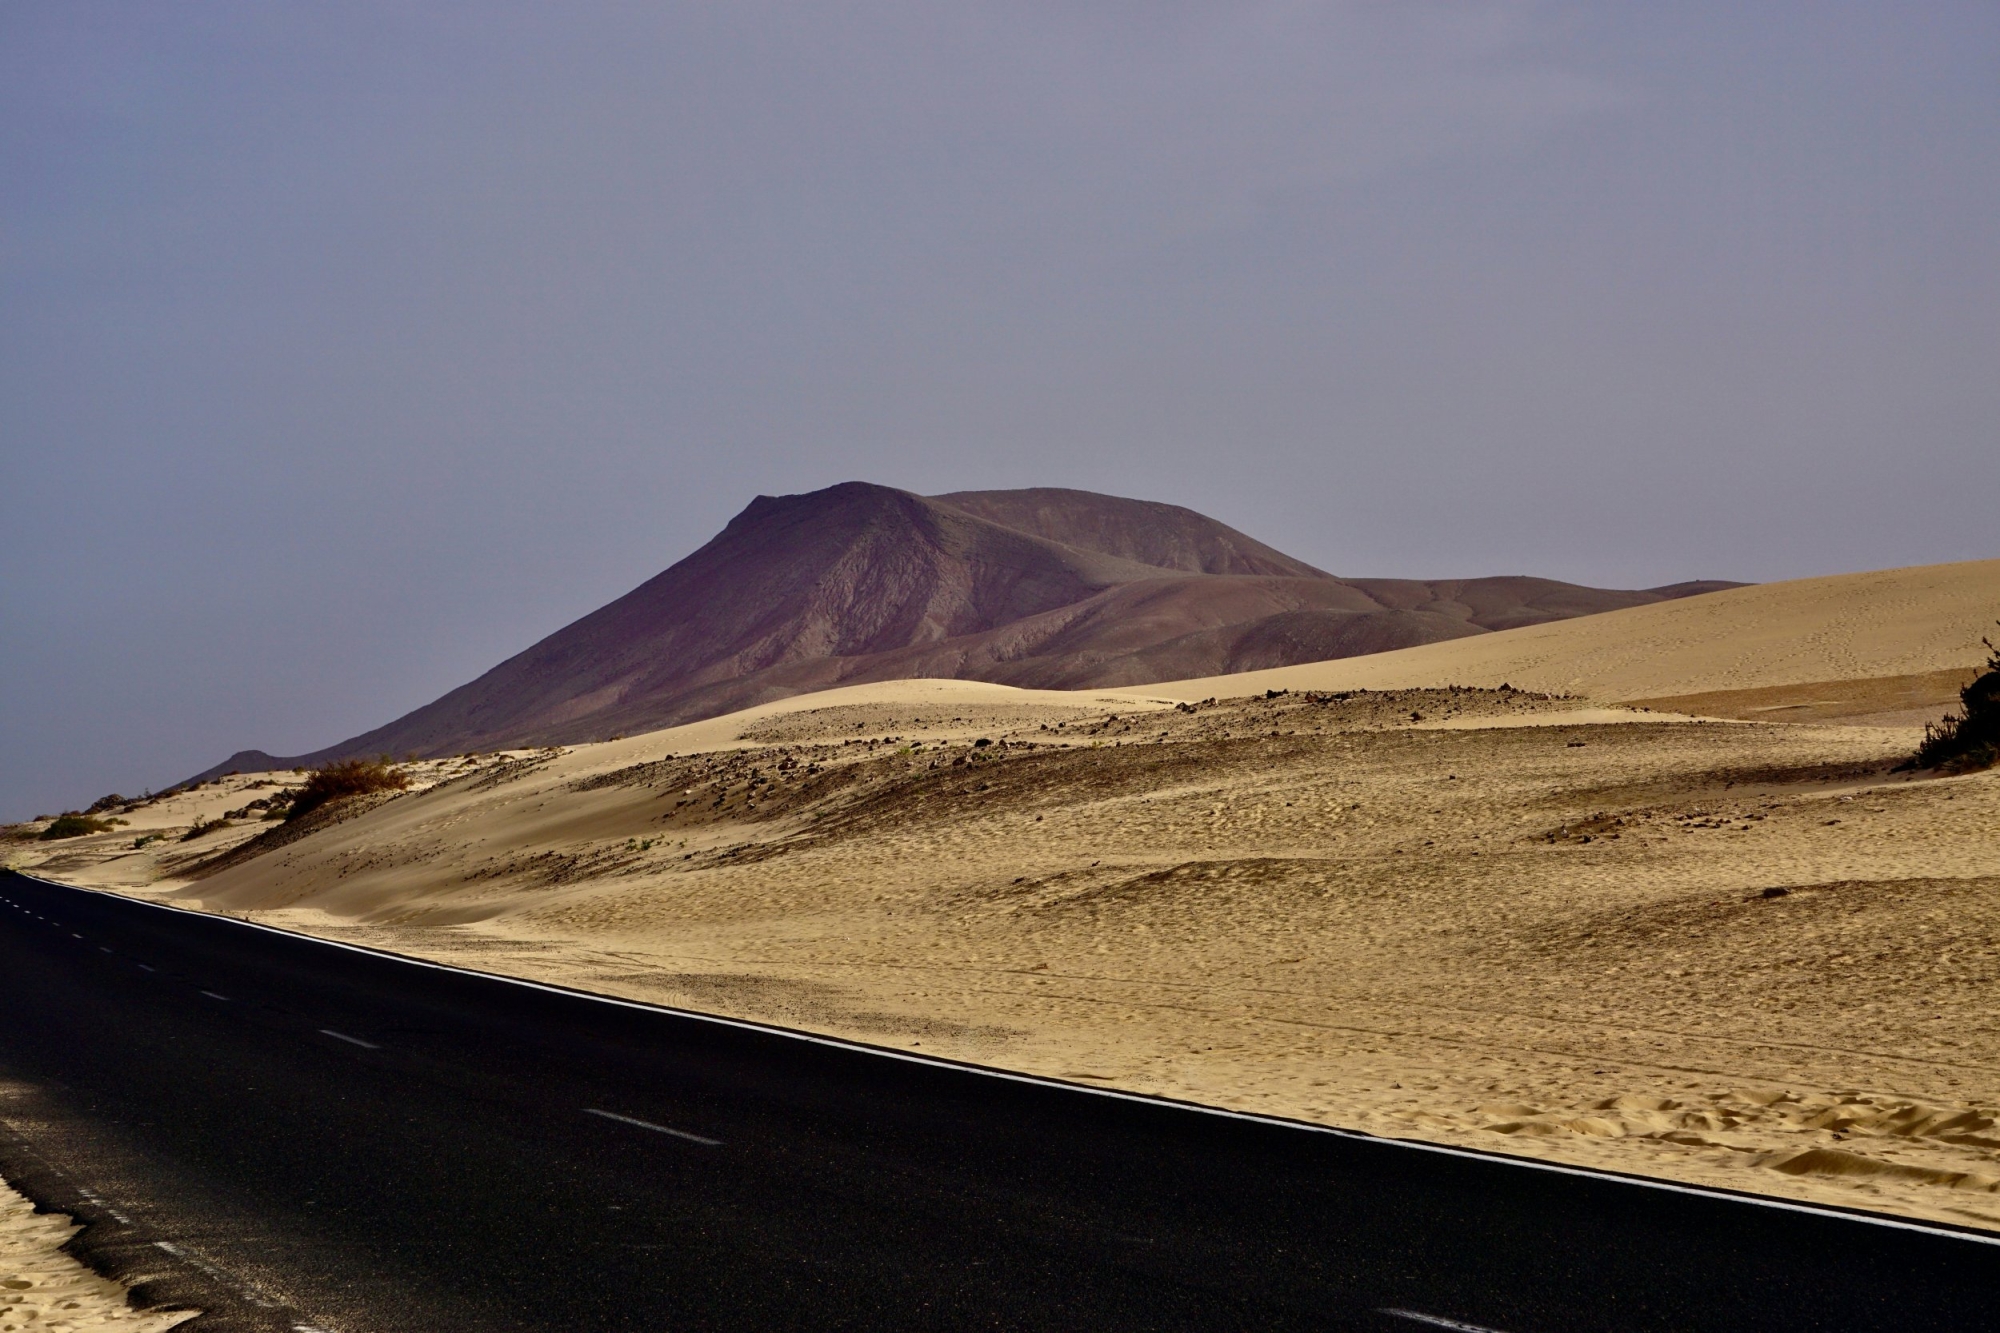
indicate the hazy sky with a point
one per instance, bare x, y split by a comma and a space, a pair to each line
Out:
346, 349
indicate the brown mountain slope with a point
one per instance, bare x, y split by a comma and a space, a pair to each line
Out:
1512, 601
1163, 535
1049, 588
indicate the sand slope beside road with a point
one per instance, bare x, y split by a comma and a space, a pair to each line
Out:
1889, 623
1745, 953
1734, 953
43, 1290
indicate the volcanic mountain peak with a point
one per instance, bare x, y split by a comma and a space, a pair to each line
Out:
1046, 587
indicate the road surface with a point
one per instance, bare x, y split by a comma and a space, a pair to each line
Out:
303, 1135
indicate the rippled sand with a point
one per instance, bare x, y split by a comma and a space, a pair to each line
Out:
1737, 952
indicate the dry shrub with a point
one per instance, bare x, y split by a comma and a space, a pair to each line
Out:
1971, 740
344, 778
73, 826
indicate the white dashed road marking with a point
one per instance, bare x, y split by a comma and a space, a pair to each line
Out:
657, 1129
213, 996
92, 1196
1435, 1322
342, 1036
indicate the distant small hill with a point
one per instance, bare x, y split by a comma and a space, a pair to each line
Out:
1042, 587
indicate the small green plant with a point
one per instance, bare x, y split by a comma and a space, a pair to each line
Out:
204, 827
1969, 741
344, 778
74, 826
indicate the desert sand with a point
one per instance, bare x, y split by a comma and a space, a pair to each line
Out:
1888, 624
1734, 949
43, 1290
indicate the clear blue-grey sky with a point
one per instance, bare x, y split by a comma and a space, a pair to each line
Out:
347, 348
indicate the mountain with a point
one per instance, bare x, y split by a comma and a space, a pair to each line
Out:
1163, 536
1044, 587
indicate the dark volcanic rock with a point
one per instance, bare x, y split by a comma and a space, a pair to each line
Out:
1043, 587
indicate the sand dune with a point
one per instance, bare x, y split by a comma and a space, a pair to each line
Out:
1744, 953
1889, 623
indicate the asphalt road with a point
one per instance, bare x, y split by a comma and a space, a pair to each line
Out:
302, 1135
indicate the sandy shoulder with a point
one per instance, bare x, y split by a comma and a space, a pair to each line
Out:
42, 1288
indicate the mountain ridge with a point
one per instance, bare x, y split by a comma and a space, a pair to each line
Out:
1042, 587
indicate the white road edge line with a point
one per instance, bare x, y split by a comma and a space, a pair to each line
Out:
1435, 1322
658, 1129
1036, 1080
342, 1036
213, 996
